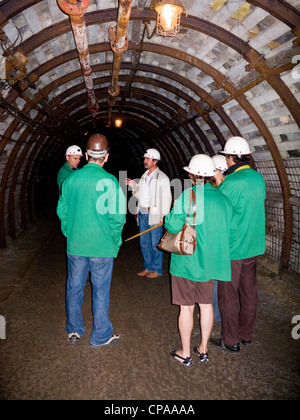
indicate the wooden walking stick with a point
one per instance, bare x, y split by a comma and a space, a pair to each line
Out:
141, 233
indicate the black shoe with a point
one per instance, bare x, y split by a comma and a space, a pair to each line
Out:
219, 343
185, 361
245, 342
202, 356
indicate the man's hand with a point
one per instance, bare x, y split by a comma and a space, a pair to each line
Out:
130, 182
219, 178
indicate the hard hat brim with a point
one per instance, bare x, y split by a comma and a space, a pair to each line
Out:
150, 157
235, 154
186, 168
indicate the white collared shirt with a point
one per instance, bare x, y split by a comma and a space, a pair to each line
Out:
145, 190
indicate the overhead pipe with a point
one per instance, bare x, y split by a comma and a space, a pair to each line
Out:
76, 9
119, 44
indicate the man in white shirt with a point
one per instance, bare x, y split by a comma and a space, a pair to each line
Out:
154, 202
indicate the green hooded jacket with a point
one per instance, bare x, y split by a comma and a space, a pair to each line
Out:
215, 234
92, 210
246, 190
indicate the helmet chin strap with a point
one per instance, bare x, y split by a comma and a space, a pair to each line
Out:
97, 154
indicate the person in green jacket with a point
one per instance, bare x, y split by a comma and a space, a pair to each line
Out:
246, 190
73, 156
193, 276
92, 210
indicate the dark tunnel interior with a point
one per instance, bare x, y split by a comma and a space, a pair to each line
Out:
229, 69
71, 68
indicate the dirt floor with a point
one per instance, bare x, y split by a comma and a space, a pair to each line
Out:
37, 362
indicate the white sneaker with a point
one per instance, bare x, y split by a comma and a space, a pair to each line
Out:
114, 339
73, 337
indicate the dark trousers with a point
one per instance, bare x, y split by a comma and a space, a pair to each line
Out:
238, 301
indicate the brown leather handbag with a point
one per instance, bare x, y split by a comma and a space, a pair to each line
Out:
184, 242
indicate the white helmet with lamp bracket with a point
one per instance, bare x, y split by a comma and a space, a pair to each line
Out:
201, 165
152, 154
220, 162
73, 150
236, 146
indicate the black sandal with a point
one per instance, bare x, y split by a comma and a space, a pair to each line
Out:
202, 356
185, 361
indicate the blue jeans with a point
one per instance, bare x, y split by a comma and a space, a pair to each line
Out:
153, 257
101, 273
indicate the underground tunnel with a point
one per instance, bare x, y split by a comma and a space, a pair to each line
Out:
72, 68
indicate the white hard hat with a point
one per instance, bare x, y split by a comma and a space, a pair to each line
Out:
202, 165
152, 154
220, 162
236, 146
74, 150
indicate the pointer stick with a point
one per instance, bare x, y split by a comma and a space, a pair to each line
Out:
153, 227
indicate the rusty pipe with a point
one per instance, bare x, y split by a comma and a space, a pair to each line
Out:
119, 44
76, 9
119, 41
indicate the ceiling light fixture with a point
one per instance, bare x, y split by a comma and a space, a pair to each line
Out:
118, 123
168, 17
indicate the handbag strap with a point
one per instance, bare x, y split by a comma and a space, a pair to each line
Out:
192, 198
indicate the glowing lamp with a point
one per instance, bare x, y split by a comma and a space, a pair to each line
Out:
168, 17
118, 123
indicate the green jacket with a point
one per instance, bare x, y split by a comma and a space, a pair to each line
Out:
92, 210
246, 190
215, 232
62, 174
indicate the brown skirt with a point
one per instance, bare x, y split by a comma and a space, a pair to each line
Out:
187, 292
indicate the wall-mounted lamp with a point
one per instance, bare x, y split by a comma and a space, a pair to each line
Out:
118, 123
168, 17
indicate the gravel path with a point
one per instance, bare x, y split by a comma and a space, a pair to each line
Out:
37, 362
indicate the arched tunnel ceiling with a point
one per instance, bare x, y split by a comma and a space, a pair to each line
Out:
231, 70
